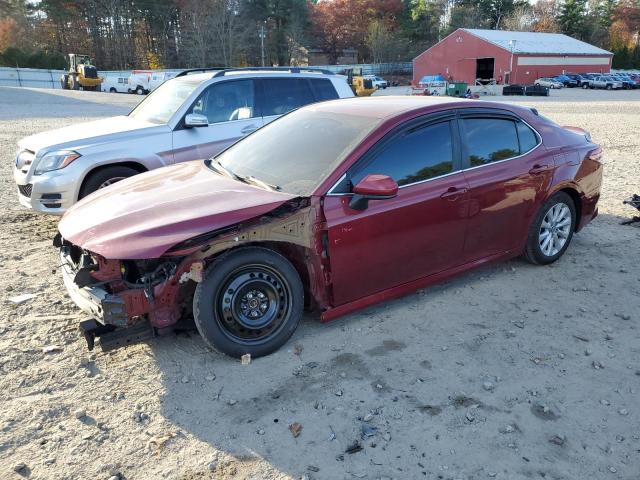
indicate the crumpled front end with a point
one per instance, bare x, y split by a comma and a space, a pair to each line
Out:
121, 295
125, 294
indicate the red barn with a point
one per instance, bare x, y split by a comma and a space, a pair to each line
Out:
508, 57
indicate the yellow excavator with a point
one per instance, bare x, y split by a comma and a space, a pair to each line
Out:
362, 87
81, 74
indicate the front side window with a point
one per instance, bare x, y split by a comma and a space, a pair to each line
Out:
415, 156
226, 101
285, 94
490, 140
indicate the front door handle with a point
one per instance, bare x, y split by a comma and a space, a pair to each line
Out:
452, 194
537, 169
249, 128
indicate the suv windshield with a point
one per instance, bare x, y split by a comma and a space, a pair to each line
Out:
296, 152
164, 101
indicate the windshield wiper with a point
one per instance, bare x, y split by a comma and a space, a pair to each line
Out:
224, 170
248, 179
260, 183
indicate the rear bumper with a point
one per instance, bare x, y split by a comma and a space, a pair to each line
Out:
105, 308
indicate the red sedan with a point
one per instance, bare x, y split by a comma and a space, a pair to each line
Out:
333, 207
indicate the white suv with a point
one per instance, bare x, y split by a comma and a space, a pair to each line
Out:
193, 116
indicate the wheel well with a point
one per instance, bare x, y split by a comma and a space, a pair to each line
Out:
577, 203
296, 254
135, 165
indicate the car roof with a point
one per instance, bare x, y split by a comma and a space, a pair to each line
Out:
385, 107
201, 77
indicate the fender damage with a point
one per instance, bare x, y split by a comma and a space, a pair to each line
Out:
124, 293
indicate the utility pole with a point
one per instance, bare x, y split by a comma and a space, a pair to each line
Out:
512, 47
262, 35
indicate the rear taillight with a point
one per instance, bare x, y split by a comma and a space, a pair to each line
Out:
596, 155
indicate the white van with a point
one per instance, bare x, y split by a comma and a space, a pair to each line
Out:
158, 78
139, 82
115, 85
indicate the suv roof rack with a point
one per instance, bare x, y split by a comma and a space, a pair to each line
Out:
224, 71
184, 73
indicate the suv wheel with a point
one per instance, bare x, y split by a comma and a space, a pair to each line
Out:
552, 230
139, 91
105, 177
250, 301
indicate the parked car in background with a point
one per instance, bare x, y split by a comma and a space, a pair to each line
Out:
627, 82
325, 209
378, 82
606, 82
549, 82
114, 85
566, 80
636, 78
581, 80
186, 118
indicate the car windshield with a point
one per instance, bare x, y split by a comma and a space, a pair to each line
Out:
164, 101
296, 152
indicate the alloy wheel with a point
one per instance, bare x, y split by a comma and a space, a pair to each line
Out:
555, 229
111, 181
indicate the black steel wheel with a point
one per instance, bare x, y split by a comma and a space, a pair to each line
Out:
250, 301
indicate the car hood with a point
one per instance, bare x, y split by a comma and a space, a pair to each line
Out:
82, 135
143, 216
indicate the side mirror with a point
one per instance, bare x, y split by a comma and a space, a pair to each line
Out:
195, 120
372, 187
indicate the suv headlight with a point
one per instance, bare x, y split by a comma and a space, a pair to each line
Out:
55, 161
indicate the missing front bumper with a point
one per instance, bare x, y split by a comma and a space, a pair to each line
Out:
107, 309
112, 337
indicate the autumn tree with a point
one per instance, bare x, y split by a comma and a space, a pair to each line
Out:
341, 24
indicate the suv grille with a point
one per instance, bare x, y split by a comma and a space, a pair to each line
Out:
25, 190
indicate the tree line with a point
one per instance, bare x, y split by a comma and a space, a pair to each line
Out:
129, 34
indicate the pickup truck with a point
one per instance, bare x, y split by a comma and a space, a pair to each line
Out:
607, 82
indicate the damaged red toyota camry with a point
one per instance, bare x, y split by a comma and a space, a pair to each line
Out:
333, 207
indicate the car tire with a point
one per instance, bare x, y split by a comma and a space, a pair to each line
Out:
139, 91
250, 301
585, 86
609, 87
105, 177
552, 230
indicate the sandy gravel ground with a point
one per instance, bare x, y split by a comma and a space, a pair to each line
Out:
509, 372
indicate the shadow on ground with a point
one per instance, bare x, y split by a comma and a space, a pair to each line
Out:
483, 375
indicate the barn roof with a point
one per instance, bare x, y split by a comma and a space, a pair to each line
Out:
537, 42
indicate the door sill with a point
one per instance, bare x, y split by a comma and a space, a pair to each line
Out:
410, 287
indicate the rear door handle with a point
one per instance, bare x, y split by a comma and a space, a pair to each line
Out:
453, 193
536, 169
249, 128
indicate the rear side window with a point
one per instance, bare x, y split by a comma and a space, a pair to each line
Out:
323, 89
285, 94
490, 140
417, 155
528, 138
226, 101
